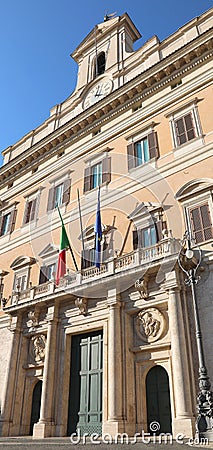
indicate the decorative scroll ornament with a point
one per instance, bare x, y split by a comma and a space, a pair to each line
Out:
142, 287
39, 344
150, 324
81, 303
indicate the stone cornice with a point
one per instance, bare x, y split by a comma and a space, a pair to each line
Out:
155, 78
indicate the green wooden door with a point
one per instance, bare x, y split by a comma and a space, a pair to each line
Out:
158, 399
36, 405
85, 400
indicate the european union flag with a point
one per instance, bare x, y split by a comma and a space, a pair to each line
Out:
98, 233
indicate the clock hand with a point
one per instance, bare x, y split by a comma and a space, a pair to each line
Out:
98, 93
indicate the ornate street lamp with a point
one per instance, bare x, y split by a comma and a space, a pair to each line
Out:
189, 261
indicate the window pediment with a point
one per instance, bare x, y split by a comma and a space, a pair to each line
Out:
22, 261
193, 187
48, 251
144, 209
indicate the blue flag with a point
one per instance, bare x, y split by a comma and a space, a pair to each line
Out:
98, 234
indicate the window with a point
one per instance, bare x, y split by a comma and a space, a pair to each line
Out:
49, 257
184, 129
20, 283
7, 222
47, 273
185, 124
99, 64
146, 237
142, 150
88, 255
88, 258
30, 210
149, 223
59, 194
201, 223
21, 266
97, 174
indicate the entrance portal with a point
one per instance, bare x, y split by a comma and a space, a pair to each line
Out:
85, 399
36, 405
158, 400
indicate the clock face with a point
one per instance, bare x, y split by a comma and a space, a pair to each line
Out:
99, 91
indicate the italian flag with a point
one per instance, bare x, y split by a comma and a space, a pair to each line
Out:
64, 244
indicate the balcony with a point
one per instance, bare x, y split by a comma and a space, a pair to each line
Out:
134, 261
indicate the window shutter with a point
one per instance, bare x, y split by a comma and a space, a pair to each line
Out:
85, 258
33, 209
131, 155
50, 199
106, 170
159, 228
12, 220
1, 221
153, 145
43, 275
196, 225
207, 223
66, 191
25, 213
189, 126
180, 131
87, 179
135, 239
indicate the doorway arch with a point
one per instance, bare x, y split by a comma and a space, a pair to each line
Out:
36, 404
158, 400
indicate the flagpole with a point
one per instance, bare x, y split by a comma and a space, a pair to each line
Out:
81, 225
98, 232
70, 248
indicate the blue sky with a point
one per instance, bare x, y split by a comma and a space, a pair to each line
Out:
37, 37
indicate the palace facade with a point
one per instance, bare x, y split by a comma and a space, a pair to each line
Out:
111, 349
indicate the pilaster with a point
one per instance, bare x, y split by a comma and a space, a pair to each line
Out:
183, 420
9, 394
115, 423
46, 425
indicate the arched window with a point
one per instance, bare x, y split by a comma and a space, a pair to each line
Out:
99, 64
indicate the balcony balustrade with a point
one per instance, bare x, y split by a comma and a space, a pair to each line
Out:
149, 255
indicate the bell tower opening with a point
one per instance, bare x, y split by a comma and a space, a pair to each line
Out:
99, 65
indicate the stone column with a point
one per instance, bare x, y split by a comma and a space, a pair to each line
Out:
183, 421
11, 377
115, 376
45, 427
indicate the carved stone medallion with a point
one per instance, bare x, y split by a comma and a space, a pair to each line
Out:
38, 347
150, 324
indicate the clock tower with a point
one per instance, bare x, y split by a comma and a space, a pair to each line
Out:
100, 58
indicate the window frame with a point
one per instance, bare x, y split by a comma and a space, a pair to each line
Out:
105, 161
64, 181
188, 210
153, 147
181, 112
12, 211
22, 267
49, 258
